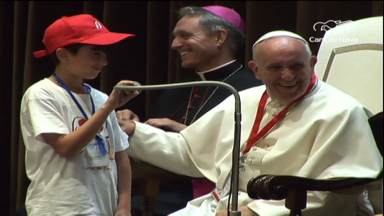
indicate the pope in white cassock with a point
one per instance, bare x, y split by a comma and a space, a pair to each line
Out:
294, 125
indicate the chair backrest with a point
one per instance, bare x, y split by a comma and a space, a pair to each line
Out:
350, 58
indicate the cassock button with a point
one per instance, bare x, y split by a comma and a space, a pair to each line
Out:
213, 207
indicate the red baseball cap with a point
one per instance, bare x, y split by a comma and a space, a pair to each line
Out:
82, 28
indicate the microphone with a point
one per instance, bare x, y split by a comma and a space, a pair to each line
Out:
233, 211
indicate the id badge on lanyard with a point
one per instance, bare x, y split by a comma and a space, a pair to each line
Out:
219, 194
96, 152
94, 157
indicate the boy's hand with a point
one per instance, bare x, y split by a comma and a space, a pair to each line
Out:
118, 97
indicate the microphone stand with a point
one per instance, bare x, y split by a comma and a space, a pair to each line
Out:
233, 211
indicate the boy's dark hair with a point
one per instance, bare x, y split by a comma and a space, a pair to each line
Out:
74, 49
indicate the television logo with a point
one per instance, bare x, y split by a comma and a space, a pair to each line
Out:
330, 24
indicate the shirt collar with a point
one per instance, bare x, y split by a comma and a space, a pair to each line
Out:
217, 72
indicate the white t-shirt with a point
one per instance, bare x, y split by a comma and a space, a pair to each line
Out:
84, 184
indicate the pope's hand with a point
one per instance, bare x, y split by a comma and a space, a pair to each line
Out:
125, 119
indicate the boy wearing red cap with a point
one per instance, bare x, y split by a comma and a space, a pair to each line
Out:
75, 150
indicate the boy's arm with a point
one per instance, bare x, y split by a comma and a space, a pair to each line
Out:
68, 145
47, 121
124, 182
42, 102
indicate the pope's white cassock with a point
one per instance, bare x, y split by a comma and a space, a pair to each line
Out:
324, 136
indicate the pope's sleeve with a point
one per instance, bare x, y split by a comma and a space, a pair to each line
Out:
344, 147
167, 150
190, 152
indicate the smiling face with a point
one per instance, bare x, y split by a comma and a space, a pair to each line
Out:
285, 66
197, 48
88, 62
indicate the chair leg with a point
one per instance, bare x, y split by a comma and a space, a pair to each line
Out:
295, 213
149, 206
296, 201
150, 192
22, 211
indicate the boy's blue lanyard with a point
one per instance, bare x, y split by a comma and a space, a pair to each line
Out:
99, 140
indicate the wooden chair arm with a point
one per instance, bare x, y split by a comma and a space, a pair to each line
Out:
294, 189
276, 187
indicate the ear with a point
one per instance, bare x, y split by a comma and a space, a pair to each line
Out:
221, 37
62, 55
313, 61
252, 65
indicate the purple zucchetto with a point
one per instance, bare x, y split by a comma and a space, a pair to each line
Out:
228, 14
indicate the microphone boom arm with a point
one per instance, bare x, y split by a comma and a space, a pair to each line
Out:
237, 120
